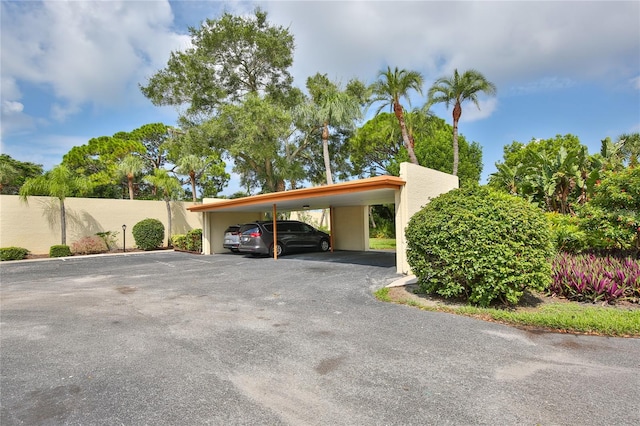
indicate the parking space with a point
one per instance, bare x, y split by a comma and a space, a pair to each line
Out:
175, 338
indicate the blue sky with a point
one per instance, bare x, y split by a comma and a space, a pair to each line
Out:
70, 70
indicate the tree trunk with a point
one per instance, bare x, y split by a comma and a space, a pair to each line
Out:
192, 176
457, 112
130, 181
325, 153
397, 109
63, 223
168, 222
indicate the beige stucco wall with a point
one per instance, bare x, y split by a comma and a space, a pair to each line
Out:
421, 186
35, 225
350, 228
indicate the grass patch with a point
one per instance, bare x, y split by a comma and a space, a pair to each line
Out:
564, 317
382, 243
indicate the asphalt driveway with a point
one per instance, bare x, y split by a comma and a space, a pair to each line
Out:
172, 338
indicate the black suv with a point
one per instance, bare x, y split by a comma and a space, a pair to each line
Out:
257, 238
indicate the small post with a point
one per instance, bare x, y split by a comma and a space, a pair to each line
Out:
124, 238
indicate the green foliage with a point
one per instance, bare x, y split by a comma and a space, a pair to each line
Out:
14, 173
557, 174
148, 234
179, 241
612, 217
13, 253
228, 58
566, 233
109, 238
377, 147
89, 245
194, 240
60, 250
480, 245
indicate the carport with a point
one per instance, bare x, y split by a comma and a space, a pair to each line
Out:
348, 204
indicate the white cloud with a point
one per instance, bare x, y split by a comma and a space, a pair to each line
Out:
635, 82
85, 52
11, 107
543, 85
511, 43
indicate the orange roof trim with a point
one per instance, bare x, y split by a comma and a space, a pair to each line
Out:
360, 185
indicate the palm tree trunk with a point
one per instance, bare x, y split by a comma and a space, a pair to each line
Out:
397, 109
457, 112
130, 181
168, 222
325, 153
192, 176
63, 223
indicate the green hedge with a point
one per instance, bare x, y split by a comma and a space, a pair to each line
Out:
148, 234
59, 251
480, 245
194, 240
13, 253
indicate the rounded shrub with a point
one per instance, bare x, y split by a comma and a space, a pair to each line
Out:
480, 245
179, 241
13, 253
148, 234
194, 240
60, 250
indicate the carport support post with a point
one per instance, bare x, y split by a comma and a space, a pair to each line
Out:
331, 228
275, 232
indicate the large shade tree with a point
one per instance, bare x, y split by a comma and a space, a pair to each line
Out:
456, 90
229, 57
60, 183
390, 88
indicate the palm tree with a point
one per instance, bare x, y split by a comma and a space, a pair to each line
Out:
170, 188
193, 166
391, 87
59, 182
130, 166
456, 90
329, 107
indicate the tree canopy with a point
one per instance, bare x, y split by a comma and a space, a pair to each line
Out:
230, 57
377, 147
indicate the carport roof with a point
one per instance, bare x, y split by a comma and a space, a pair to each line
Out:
362, 192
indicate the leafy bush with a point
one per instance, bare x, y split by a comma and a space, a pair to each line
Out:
566, 233
109, 238
611, 218
89, 245
194, 240
148, 234
481, 245
591, 278
179, 241
13, 253
60, 250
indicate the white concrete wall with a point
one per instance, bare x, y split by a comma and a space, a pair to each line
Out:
35, 225
350, 228
421, 186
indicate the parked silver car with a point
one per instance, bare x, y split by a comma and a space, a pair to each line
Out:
257, 238
232, 238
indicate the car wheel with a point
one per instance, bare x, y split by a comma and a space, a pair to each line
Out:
279, 249
324, 245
